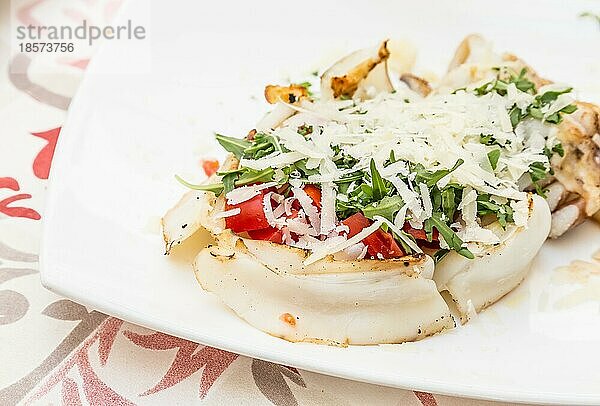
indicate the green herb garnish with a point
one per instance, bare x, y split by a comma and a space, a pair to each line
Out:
453, 240
236, 146
379, 189
386, 208
246, 177
493, 157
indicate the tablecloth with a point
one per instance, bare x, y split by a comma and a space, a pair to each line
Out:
55, 351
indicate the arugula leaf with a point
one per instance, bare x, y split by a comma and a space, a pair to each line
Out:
448, 203
247, 177
515, 116
556, 118
236, 146
223, 173
484, 89
386, 207
366, 190
428, 228
392, 156
301, 166
545, 99
493, 157
551, 95
343, 161
503, 212
436, 197
229, 182
453, 240
537, 171
379, 188
431, 178
558, 148
500, 86
216, 188
262, 145
347, 179
402, 242
439, 255
254, 176
524, 84
487, 139
571, 108
536, 113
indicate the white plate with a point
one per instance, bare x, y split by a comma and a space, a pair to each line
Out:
147, 110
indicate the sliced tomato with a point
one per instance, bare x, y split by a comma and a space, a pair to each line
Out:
382, 243
267, 234
420, 234
314, 192
379, 242
271, 233
210, 166
356, 223
251, 216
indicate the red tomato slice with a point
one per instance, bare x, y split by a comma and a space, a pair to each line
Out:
379, 242
251, 216
315, 194
271, 233
356, 223
210, 166
382, 243
267, 234
420, 234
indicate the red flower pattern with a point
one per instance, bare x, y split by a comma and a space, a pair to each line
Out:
70, 393
43, 160
97, 392
186, 362
108, 334
425, 398
5, 208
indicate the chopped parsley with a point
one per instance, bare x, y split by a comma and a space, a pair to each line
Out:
506, 77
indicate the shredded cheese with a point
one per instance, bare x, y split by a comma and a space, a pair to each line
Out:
338, 245
432, 132
276, 159
399, 233
245, 193
228, 213
308, 207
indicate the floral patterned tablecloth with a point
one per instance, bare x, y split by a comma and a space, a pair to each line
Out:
55, 351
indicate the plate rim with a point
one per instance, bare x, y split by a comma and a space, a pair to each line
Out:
49, 271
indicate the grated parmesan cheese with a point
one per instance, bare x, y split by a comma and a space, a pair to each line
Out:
308, 207
228, 213
434, 132
426, 198
274, 160
399, 233
245, 193
336, 244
